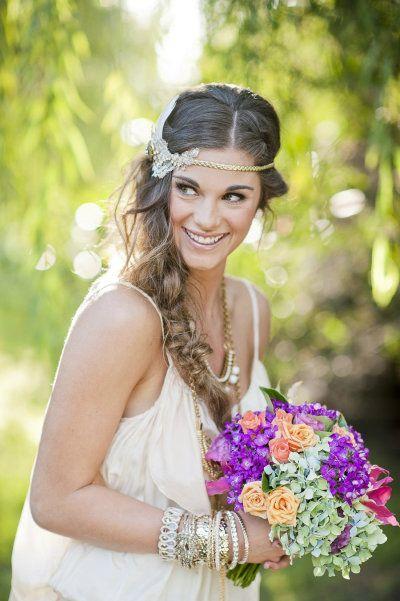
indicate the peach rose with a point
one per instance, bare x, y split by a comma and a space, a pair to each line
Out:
280, 449
283, 420
282, 506
251, 421
301, 437
343, 432
254, 499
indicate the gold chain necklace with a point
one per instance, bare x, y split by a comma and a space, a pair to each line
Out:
212, 468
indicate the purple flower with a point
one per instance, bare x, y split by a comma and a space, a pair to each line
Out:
308, 408
243, 456
219, 449
305, 418
346, 469
342, 540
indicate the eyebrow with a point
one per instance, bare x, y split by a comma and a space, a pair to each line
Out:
196, 185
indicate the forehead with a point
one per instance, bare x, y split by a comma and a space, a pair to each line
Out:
211, 176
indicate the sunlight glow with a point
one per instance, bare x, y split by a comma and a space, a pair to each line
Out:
254, 233
136, 131
47, 259
87, 264
181, 45
89, 216
347, 203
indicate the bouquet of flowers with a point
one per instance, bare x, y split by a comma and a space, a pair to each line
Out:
306, 471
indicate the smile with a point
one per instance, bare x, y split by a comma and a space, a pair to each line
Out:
209, 241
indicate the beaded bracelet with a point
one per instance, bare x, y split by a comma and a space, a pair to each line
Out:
245, 538
185, 548
217, 521
168, 532
235, 540
224, 541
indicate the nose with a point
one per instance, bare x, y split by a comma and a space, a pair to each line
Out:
206, 214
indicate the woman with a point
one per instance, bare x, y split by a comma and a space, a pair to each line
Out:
137, 391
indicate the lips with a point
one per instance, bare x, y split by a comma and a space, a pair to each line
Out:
202, 244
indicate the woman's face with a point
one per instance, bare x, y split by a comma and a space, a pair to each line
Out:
202, 203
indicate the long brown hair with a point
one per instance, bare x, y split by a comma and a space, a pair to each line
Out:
213, 115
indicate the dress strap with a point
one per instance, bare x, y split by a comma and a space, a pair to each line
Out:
130, 285
256, 317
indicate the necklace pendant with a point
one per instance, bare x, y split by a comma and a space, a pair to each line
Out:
236, 369
233, 379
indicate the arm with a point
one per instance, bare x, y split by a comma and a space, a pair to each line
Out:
102, 360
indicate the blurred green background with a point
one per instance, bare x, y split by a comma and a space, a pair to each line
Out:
81, 82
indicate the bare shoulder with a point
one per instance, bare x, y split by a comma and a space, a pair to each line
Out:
120, 304
116, 318
112, 340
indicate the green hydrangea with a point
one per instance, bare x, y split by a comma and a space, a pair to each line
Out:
319, 522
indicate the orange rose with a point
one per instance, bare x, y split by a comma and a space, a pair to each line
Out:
283, 420
301, 437
282, 506
251, 421
280, 449
254, 499
343, 432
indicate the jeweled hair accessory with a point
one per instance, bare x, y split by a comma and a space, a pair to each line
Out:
165, 161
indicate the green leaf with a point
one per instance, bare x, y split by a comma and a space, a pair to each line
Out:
342, 421
273, 393
265, 483
309, 493
270, 406
328, 423
322, 433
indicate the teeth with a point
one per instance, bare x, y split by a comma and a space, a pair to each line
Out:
202, 240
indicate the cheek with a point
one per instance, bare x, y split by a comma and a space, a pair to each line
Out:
240, 221
178, 210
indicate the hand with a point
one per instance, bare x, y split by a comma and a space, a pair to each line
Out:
261, 550
284, 562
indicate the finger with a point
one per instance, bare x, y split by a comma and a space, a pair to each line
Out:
277, 565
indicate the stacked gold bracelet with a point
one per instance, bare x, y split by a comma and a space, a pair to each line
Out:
200, 539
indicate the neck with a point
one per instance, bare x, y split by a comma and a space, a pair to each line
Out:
205, 286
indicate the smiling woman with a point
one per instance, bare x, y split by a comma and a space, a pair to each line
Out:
209, 205
156, 359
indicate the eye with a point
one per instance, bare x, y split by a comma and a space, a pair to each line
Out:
183, 187
240, 197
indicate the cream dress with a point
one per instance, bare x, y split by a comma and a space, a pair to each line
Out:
154, 457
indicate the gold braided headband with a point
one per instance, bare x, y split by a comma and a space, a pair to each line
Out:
165, 161
232, 167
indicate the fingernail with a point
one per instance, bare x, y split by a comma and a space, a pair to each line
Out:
266, 565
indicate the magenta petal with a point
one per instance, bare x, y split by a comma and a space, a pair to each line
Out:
217, 487
378, 483
382, 513
219, 449
376, 471
381, 495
